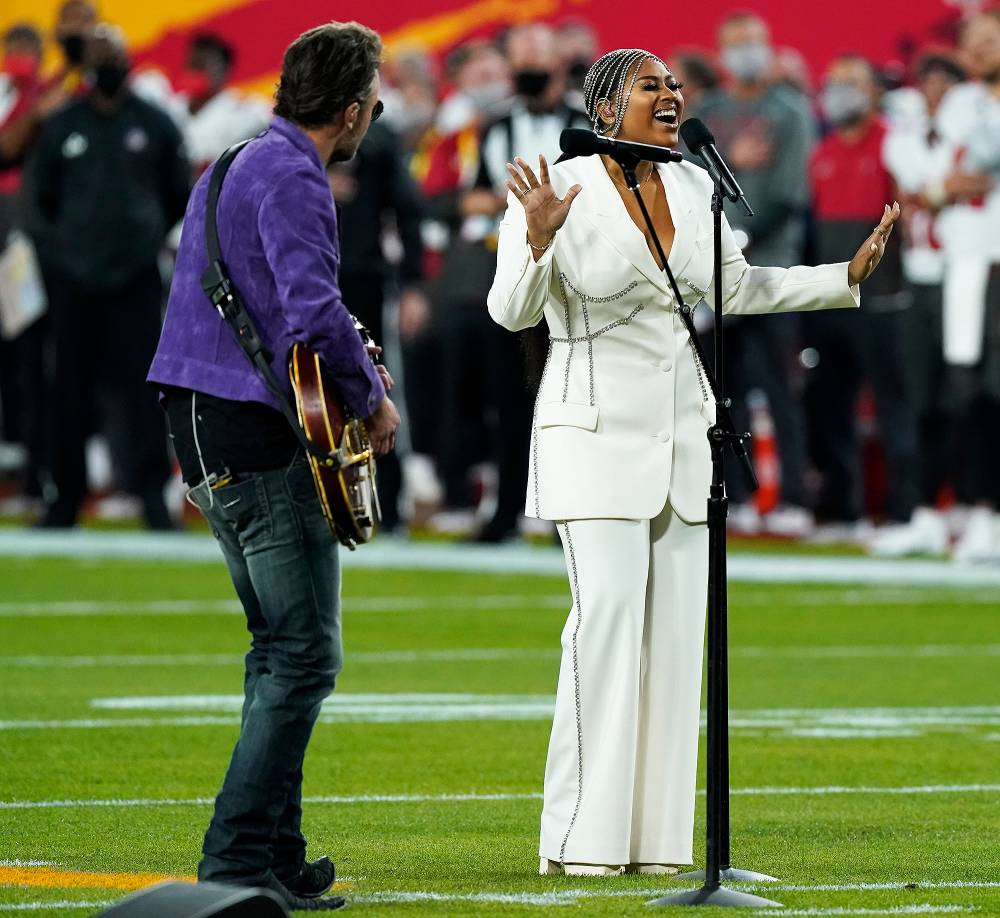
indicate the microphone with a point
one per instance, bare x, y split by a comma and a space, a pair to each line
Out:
581, 142
699, 140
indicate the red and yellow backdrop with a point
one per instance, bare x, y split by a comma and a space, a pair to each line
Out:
260, 29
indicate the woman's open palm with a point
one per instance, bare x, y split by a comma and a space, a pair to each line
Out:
544, 210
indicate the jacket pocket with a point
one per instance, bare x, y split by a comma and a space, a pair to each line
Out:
567, 414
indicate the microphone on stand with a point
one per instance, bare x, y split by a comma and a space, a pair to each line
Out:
699, 140
581, 142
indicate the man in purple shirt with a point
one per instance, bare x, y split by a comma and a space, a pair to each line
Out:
278, 234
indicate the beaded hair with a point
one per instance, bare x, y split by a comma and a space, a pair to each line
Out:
605, 81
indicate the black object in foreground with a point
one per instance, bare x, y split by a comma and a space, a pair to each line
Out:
581, 142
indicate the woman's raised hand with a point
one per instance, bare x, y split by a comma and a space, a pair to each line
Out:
544, 211
873, 248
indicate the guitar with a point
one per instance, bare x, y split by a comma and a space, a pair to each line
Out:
345, 481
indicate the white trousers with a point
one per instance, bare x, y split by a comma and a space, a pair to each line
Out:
623, 756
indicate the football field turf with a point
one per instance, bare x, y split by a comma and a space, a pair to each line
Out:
865, 740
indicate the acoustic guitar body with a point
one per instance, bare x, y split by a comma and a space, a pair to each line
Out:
345, 483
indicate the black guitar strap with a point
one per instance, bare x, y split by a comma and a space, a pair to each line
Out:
215, 281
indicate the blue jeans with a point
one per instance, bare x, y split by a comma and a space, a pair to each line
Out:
282, 558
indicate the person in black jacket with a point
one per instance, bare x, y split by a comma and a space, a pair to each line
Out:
106, 181
372, 190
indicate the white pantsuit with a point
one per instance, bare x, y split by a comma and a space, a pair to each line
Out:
620, 459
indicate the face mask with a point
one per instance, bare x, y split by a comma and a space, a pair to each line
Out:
578, 69
489, 94
531, 83
195, 84
749, 62
843, 103
73, 47
108, 78
21, 68
412, 118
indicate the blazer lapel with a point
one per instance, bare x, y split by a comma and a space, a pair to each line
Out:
606, 211
680, 196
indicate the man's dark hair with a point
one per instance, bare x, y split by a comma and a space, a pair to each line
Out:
24, 32
738, 17
699, 70
939, 61
214, 44
856, 57
325, 70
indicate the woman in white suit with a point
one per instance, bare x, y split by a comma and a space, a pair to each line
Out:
620, 460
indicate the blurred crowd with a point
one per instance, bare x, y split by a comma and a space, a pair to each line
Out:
877, 426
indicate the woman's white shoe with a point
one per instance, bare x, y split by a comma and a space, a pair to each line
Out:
547, 868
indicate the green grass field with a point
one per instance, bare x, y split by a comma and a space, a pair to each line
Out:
865, 740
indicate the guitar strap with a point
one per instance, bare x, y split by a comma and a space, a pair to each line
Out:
215, 281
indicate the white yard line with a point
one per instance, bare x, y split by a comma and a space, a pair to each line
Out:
561, 897
488, 654
924, 909
462, 603
543, 900
874, 887
373, 708
505, 559
50, 906
357, 799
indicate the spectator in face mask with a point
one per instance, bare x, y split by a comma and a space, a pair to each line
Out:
104, 183
74, 24
25, 101
482, 88
445, 165
579, 45
767, 134
848, 178
21, 88
917, 154
538, 115
969, 229
217, 115
410, 94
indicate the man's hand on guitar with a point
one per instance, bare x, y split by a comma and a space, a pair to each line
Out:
382, 427
385, 376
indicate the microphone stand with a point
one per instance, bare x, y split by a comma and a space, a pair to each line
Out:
721, 434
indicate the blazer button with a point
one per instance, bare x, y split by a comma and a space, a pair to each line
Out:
666, 366
663, 436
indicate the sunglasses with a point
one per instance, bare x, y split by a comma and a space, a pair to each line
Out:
377, 111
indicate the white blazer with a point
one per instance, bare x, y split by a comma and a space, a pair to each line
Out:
622, 412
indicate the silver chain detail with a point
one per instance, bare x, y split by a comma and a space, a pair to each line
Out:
701, 372
589, 337
576, 692
569, 331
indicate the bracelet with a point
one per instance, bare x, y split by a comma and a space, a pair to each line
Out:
540, 248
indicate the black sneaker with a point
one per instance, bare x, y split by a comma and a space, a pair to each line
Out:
300, 903
314, 879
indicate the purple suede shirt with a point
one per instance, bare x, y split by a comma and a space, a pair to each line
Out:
278, 233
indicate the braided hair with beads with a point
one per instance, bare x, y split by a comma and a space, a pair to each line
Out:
605, 82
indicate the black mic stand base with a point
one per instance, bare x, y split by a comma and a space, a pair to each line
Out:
717, 896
